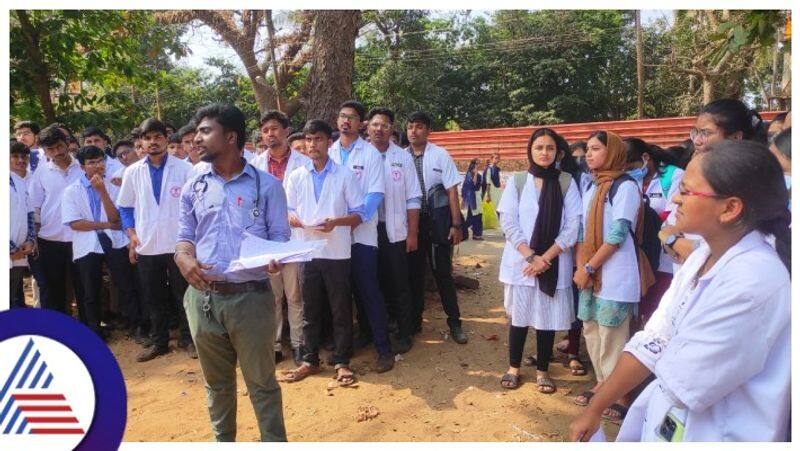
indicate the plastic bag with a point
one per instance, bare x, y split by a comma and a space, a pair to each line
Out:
489, 216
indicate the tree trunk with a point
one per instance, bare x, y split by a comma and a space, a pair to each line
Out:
332, 63
41, 75
275, 74
639, 67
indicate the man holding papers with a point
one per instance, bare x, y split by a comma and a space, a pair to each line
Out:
231, 314
325, 202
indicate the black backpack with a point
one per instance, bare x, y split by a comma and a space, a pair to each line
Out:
651, 244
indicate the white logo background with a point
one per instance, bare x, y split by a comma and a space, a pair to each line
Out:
70, 378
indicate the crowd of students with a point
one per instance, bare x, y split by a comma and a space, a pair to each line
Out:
681, 246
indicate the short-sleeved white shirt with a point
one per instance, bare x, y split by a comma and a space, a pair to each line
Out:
620, 273
76, 207
438, 167
46, 190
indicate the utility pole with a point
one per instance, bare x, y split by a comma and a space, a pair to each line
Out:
639, 67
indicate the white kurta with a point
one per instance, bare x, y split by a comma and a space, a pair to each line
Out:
721, 351
523, 301
620, 272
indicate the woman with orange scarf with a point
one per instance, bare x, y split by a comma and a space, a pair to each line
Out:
611, 274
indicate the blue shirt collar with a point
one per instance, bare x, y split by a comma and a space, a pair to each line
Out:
85, 181
351, 147
328, 167
163, 162
248, 170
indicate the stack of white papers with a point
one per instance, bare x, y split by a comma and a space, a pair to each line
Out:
256, 252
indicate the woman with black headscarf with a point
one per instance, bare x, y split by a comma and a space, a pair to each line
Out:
540, 217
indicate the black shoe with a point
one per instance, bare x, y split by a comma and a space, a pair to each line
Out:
191, 351
278, 356
385, 363
152, 353
402, 345
139, 335
297, 356
458, 335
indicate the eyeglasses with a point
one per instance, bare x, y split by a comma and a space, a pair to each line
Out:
349, 117
380, 126
702, 134
685, 193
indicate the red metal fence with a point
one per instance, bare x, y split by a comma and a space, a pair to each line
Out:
512, 142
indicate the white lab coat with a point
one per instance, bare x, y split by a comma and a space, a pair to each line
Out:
661, 203
620, 272
401, 185
524, 213
366, 164
156, 224
438, 167
671, 220
18, 207
340, 192
76, 207
45, 190
721, 352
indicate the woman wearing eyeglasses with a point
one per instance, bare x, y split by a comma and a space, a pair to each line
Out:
714, 380
718, 120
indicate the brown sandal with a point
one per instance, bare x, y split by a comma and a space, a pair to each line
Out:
299, 373
346, 379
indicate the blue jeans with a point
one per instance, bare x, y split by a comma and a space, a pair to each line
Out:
370, 304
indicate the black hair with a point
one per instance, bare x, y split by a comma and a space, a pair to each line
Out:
62, 125
601, 135
94, 131
174, 138
472, 163
72, 140
89, 153
121, 143
783, 142
294, 137
577, 145
636, 147
732, 115
561, 143
334, 136
136, 133
356, 105
568, 163
168, 125
381, 110
228, 116
396, 135
318, 126
33, 126
186, 129
749, 171
403, 140
50, 136
152, 125
275, 115
421, 117
19, 148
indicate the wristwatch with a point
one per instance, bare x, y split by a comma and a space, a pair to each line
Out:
589, 269
529, 258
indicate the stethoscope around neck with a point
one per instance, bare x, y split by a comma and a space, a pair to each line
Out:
200, 186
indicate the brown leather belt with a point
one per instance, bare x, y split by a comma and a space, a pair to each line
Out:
235, 288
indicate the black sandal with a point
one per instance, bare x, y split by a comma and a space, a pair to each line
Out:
510, 381
546, 385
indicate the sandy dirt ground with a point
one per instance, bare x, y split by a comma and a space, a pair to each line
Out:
439, 391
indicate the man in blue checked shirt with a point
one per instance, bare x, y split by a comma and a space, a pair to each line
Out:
231, 316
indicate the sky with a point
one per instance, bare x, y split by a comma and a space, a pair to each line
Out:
202, 42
